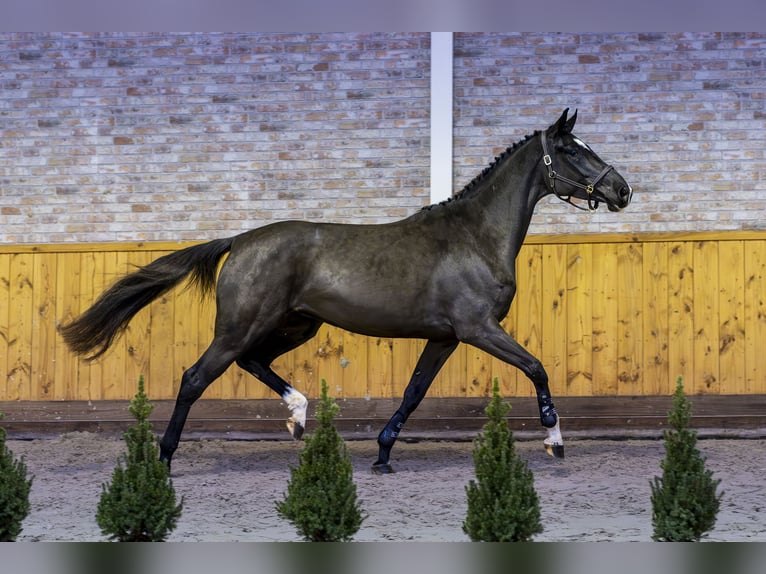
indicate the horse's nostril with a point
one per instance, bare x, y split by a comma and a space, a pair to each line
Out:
624, 192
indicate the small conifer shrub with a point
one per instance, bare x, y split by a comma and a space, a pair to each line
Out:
502, 502
14, 492
684, 500
321, 495
139, 505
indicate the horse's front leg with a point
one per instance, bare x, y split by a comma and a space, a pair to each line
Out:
431, 360
495, 341
554, 443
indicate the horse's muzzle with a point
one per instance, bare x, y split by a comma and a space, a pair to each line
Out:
624, 197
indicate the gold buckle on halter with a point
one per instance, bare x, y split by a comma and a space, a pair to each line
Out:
589, 189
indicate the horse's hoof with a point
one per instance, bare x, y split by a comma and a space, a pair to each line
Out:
166, 460
555, 450
296, 429
382, 468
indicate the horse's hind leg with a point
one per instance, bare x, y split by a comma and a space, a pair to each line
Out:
295, 401
294, 331
211, 365
431, 360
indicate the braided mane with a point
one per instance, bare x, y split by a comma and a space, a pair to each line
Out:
473, 184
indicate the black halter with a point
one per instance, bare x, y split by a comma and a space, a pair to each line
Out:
553, 176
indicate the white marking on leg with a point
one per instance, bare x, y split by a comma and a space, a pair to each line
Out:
297, 404
554, 438
554, 435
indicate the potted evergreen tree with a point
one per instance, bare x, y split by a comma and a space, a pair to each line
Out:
139, 505
684, 500
14, 492
321, 496
502, 502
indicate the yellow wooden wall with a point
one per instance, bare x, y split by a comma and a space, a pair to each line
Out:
606, 314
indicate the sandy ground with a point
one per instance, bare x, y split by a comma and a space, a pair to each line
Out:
600, 492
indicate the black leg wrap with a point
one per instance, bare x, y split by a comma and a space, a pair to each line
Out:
386, 440
167, 448
390, 433
165, 457
548, 415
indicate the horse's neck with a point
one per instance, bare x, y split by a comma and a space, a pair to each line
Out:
505, 205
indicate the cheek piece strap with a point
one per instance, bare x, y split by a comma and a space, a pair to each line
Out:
589, 187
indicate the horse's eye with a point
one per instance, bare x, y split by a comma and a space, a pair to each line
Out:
571, 151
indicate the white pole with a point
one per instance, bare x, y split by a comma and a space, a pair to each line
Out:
441, 116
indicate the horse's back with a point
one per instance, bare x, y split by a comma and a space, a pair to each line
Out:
371, 279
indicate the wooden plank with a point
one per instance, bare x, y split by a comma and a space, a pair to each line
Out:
405, 354
328, 358
417, 429
532, 239
186, 330
755, 316
5, 332
92, 284
138, 342
731, 331
352, 360
655, 320
244, 384
380, 367
44, 298
453, 378
20, 327
680, 311
751, 406
113, 363
724, 415
67, 307
161, 372
661, 237
630, 319
707, 377
478, 372
579, 310
604, 321
528, 311
306, 378
96, 247
554, 319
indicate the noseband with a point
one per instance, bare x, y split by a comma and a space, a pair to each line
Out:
553, 176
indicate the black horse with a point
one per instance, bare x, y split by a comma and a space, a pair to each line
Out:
445, 274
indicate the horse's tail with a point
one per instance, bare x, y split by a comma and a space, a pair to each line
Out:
94, 330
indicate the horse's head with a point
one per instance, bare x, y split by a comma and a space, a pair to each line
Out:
575, 171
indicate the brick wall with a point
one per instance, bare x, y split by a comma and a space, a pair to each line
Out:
189, 136
682, 116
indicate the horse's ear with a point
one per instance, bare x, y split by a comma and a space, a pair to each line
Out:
571, 122
560, 126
